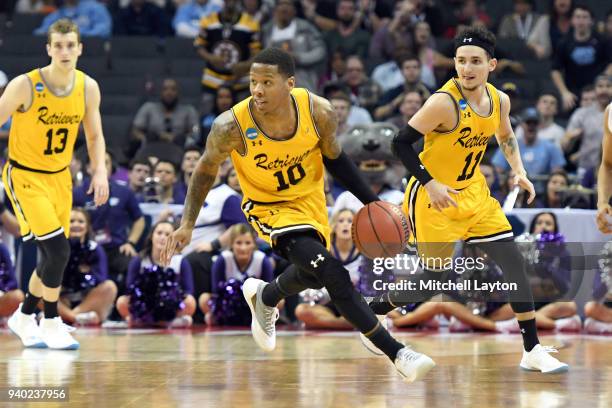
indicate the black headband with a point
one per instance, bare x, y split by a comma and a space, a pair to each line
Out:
466, 40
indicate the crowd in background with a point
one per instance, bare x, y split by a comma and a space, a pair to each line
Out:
376, 61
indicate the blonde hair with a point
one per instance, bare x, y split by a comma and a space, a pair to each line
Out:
238, 229
334, 220
63, 26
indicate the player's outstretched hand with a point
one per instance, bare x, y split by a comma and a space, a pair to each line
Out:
99, 188
175, 244
439, 195
604, 218
522, 181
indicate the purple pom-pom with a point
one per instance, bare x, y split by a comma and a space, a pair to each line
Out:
550, 244
155, 295
74, 280
550, 237
229, 307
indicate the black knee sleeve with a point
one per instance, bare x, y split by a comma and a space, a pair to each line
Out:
307, 252
507, 256
307, 279
336, 279
41, 259
57, 253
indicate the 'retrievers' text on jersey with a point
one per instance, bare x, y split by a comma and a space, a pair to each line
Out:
43, 136
453, 157
279, 170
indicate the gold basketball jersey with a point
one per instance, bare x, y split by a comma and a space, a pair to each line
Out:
279, 170
43, 137
452, 157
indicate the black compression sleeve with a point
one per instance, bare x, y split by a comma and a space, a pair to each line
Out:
402, 148
344, 170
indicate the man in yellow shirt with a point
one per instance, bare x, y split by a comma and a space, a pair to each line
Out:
447, 198
280, 140
47, 106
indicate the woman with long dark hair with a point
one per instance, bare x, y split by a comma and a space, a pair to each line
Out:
87, 295
550, 276
557, 180
158, 295
550, 28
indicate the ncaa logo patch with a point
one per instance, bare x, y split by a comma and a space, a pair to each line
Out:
251, 133
462, 104
39, 87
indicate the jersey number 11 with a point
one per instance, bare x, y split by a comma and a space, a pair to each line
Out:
468, 161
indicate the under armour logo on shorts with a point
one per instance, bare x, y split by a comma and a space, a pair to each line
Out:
315, 263
465, 40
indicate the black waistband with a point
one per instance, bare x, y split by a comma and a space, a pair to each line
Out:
458, 189
248, 200
22, 167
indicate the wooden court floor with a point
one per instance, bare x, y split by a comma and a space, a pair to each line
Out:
156, 368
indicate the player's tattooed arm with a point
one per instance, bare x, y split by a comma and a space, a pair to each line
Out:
506, 138
339, 165
509, 146
326, 122
222, 139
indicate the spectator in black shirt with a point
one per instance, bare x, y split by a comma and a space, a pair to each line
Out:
580, 57
141, 17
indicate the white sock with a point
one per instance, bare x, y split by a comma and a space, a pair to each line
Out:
564, 322
506, 325
596, 326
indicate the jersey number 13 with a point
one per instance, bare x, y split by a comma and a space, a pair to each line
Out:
62, 134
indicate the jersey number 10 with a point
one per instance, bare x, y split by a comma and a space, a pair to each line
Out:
292, 177
63, 134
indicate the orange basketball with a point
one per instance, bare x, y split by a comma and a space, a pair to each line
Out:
380, 230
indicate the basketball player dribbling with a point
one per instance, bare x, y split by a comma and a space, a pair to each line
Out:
447, 198
47, 106
279, 140
604, 178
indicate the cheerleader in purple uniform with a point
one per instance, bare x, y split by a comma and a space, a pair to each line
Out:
10, 296
226, 305
552, 277
87, 295
157, 295
550, 280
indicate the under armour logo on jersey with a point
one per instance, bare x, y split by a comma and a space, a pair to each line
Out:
523, 331
259, 142
422, 167
467, 115
466, 40
315, 263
